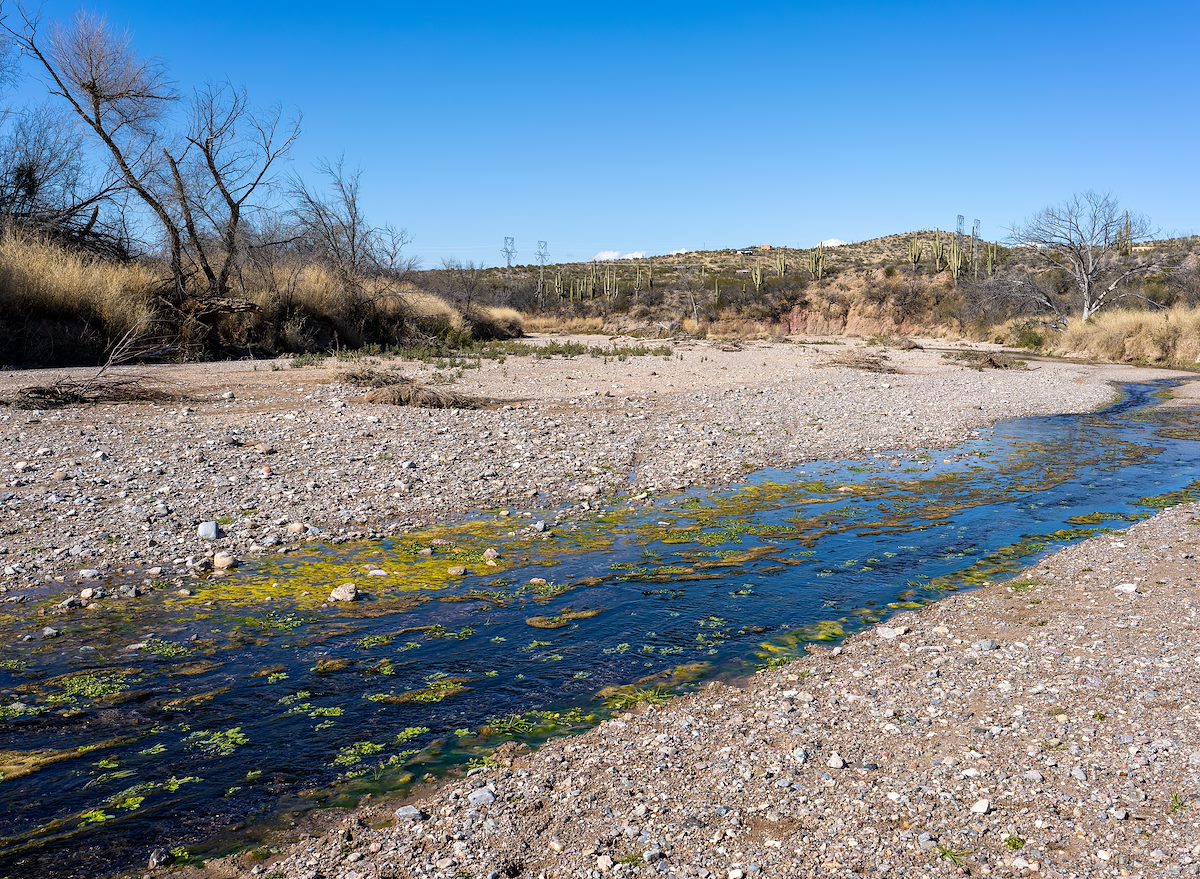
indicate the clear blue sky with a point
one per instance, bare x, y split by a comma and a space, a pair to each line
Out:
657, 126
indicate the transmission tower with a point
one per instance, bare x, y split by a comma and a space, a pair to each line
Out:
543, 255
975, 247
509, 250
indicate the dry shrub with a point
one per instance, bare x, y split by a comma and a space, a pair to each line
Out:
369, 377
981, 360
406, 392
488, 322
867, 361
1169, 337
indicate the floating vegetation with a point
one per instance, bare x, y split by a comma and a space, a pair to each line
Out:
217, 743
355, 753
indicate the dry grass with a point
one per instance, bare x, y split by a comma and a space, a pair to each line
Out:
494, 322
42, 279
1169, 337
565, 325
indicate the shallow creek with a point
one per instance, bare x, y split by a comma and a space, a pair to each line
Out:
195, 722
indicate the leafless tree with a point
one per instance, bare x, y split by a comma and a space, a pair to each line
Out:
461, 283
47, 187
1088, 240
335, 230
199, 186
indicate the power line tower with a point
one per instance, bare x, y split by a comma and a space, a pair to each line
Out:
975, 247
509, 250
543, 255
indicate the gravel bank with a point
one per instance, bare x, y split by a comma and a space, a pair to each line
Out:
1045, 728
117, 490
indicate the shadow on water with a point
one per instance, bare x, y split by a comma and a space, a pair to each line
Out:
170, 720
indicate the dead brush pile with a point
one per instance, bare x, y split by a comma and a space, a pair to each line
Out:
89, 392
391, 388
981, 360
867, 361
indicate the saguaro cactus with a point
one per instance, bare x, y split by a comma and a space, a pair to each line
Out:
915, 251
781, 265
992, 257
756, 275
816, 262
939, 250
955, 259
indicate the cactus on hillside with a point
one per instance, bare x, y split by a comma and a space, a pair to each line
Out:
781, 265
816, 262
915, 251
955, 259
756, 275
992, 256
938, 249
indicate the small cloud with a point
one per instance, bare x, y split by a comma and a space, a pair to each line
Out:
678, 252
610, 255
832, 242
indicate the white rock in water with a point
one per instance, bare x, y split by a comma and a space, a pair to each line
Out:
345, 592
223, 561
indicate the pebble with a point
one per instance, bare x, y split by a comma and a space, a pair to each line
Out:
208, 531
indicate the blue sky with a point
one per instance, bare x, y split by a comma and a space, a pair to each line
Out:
659, 126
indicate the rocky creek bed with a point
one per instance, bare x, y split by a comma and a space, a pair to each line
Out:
90, 646
1046, 726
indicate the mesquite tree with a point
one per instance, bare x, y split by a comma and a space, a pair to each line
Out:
1090, 240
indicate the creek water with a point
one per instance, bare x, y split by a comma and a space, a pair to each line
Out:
195, 722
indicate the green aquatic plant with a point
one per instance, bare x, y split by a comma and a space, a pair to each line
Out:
174, 783
372, 641
217, 743
93, 685
94, 816
625, 698
165, 649
355, 753
409, 733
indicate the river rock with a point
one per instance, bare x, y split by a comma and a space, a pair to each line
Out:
208, 531
481, 797
408, 814
345, 592
223, 561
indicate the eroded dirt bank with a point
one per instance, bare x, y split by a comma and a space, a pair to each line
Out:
1047, 726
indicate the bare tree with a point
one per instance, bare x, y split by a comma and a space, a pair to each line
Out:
199, 185
47, 187
462, 282
1090, 240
